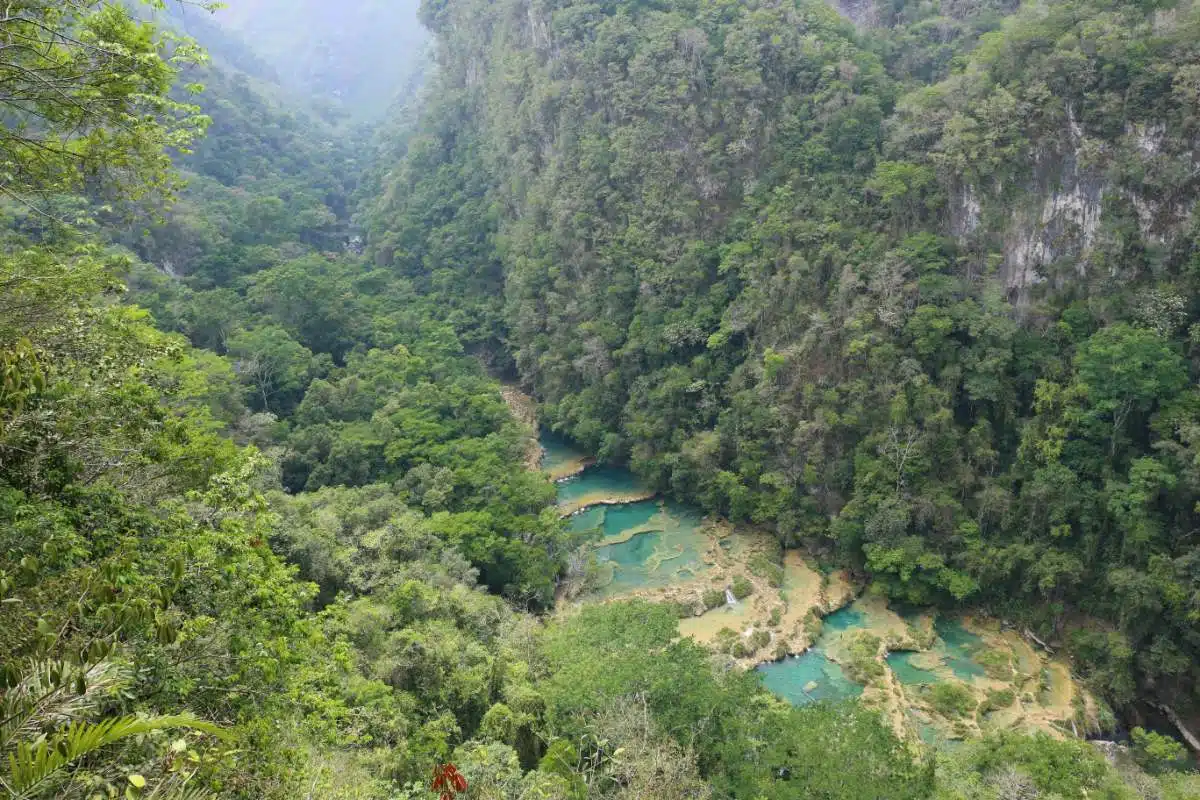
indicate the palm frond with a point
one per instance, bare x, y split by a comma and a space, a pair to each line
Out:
177, 787
48, 695
33, 764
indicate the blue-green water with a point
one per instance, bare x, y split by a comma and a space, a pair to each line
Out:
665, 545
631, 555
557, 451
651, 544
908, 673
643, 544
588, 519
615, 520
957, 647
927, 733
788, 679
842, 620
598, 482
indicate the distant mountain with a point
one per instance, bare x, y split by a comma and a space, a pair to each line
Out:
358, 54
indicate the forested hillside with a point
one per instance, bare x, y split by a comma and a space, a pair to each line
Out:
904, 292
912, 284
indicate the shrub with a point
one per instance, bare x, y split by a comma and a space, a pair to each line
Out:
726, 640
1154, 751
813, 625
682, 610
863, 662
713, 598
996, 663
742, 587
762, 566
997, 699
951, 700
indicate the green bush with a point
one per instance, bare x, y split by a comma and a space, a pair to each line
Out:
713, 598
682, 610
1156, 752
998, 699
863, 657
762, 566
996, 663
951, 700
726, 640
742, 587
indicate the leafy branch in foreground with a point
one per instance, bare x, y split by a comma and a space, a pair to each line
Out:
84, 91
43, 735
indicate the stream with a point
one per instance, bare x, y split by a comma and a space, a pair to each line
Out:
666, 551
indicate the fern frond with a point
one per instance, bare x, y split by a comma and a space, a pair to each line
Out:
47, 696
177, 787
33, 764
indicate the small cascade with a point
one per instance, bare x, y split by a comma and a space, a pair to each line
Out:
730, 600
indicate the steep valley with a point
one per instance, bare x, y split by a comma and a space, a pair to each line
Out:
623, 400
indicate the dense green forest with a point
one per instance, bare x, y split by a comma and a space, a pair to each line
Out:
914, 293
918, 293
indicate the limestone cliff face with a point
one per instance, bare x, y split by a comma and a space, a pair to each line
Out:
1050, 223
1085, 166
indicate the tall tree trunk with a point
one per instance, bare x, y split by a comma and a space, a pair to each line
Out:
1192, 740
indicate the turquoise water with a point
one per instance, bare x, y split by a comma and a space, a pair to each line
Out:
598, 482
614, 520
927, 733
631, 556
668, 549
908, 673
957, 647
842, 620
556, 450
588, 519
788, 679
666, 546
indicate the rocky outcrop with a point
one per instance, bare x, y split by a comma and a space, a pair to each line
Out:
1058, 212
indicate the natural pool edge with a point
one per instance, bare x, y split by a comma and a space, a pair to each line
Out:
750, 642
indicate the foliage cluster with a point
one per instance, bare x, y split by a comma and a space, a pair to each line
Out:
910, 293
282, 544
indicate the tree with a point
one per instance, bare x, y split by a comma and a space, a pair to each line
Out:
1127, 369
1156, 752
273, 364
85, 93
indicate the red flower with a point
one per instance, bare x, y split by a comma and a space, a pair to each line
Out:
448, 781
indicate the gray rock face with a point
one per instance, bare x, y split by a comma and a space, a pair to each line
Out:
1057, 212
1112, 751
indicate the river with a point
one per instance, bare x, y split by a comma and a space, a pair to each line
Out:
808, 631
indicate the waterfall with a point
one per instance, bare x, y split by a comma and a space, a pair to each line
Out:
729, 598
